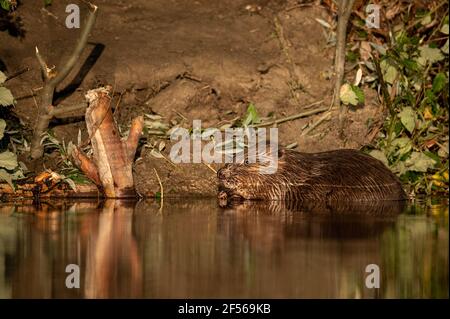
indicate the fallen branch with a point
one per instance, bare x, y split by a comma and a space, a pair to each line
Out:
323, 118
293, 117
18, 73
51, 79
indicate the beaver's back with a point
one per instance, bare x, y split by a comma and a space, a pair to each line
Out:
338, 175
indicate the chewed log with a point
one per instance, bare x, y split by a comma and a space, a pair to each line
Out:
112, 162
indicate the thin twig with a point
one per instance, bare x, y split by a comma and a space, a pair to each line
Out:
43, 65
293, 117
430, 13
210, 167
50, 14
118, 103
312, 104
323, 118
34, 99
181, 115
438, 27
18, 73
160, 184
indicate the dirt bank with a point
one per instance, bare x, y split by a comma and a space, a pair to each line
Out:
192, 60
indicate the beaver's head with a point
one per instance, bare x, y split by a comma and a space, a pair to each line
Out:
247, 180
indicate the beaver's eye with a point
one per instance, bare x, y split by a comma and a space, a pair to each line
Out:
246, 162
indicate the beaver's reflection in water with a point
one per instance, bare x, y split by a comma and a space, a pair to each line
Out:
277, 221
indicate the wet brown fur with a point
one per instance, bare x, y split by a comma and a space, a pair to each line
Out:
328, 176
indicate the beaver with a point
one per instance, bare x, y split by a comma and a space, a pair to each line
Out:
339, 175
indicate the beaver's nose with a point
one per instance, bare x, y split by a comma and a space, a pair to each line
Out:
223, 173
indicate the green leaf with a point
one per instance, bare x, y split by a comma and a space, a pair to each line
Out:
428, 54
5, 176
403, 144
8, 160
379, 155
6, 97
347, 95
2, 128
251, 116
419, 162
359, 94
426, 19
439, 82
410, 64
443, 150
444, 29
389, 72
71, 183
399, 168
433, 156
408, 118
2, 77
445, 47
5, 4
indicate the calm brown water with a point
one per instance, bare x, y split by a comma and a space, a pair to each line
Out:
195, 249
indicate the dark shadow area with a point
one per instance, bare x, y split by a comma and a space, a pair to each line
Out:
64, 121
85, 68
11, 23
2, 66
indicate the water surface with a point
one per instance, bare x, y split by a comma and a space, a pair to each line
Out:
195, 249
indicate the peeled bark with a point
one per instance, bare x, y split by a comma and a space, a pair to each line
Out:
111, 167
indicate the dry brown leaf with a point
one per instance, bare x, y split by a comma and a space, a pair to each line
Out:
393, 11
365, 50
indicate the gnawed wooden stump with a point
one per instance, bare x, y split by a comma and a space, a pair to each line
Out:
112, 162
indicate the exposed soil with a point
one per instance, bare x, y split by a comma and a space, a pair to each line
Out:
202, 59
